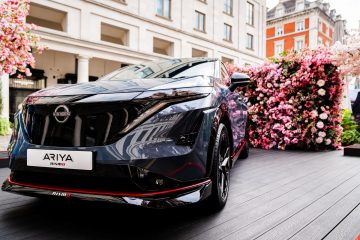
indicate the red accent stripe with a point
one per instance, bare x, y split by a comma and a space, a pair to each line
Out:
74, 190
240, 148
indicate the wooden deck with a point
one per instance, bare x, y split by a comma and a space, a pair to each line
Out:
274, 195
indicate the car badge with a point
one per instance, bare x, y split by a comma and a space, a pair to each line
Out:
61, 113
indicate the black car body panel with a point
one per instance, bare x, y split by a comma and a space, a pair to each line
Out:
150, 137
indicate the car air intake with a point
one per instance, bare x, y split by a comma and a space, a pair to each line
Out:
86, 124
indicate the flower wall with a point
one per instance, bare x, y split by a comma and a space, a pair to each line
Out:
294, 101
16, 38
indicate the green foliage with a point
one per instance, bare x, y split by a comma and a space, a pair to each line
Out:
350, 134
4, 126
348, 122
276, 59
350, 137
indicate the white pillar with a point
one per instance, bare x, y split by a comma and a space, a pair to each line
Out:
5, 94
83, 69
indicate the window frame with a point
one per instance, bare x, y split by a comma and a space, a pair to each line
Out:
299, 39
162, 15
64, 25
279, 11
171, 53
302, 22
326, 29
228, 5
252, 22
126, 41
279, 43
300, 6
225, 80
277, 32
197, 21
252, 41
320, 40
227, 26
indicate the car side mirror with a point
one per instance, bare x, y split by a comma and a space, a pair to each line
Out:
239, 80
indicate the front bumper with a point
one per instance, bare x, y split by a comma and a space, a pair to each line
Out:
163, 199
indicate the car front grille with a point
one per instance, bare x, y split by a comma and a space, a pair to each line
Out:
89, 124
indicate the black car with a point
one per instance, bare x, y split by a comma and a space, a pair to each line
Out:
158, 134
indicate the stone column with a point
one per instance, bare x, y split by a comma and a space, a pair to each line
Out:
83, 69
5, 94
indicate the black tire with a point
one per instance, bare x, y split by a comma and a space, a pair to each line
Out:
245, 152
220, 173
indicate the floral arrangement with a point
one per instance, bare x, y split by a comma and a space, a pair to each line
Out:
16, 39
294, 101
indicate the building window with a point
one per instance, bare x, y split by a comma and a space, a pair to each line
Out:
320, 41
163, 8
279, 30
300, 5
249, 41
300, 26
47, 17
250, 13
299, 44
325, 29
113, 34
163, 47
228, 6
279, 48
279, 11
227, 60
199, 21
198, 53
225, 77
227, 32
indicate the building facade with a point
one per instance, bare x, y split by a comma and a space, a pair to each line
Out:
87, 39
294, 24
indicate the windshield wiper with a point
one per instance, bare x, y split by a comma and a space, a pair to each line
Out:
184, 77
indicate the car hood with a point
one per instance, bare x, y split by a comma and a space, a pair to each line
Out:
123, 86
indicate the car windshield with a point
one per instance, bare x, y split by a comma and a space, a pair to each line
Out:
176, 68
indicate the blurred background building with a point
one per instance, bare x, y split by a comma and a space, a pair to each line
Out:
294, 24
87, 39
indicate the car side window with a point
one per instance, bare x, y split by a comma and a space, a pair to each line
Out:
225, 77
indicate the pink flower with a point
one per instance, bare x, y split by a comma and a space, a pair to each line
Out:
322, 134
314, 114
321, 92
320, 83
320, 125
319, 140
323, 116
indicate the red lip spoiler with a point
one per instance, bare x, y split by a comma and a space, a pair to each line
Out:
120, 194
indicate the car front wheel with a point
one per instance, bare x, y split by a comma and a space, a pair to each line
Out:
220, 174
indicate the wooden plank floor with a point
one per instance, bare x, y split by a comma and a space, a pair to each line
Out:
274, 195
